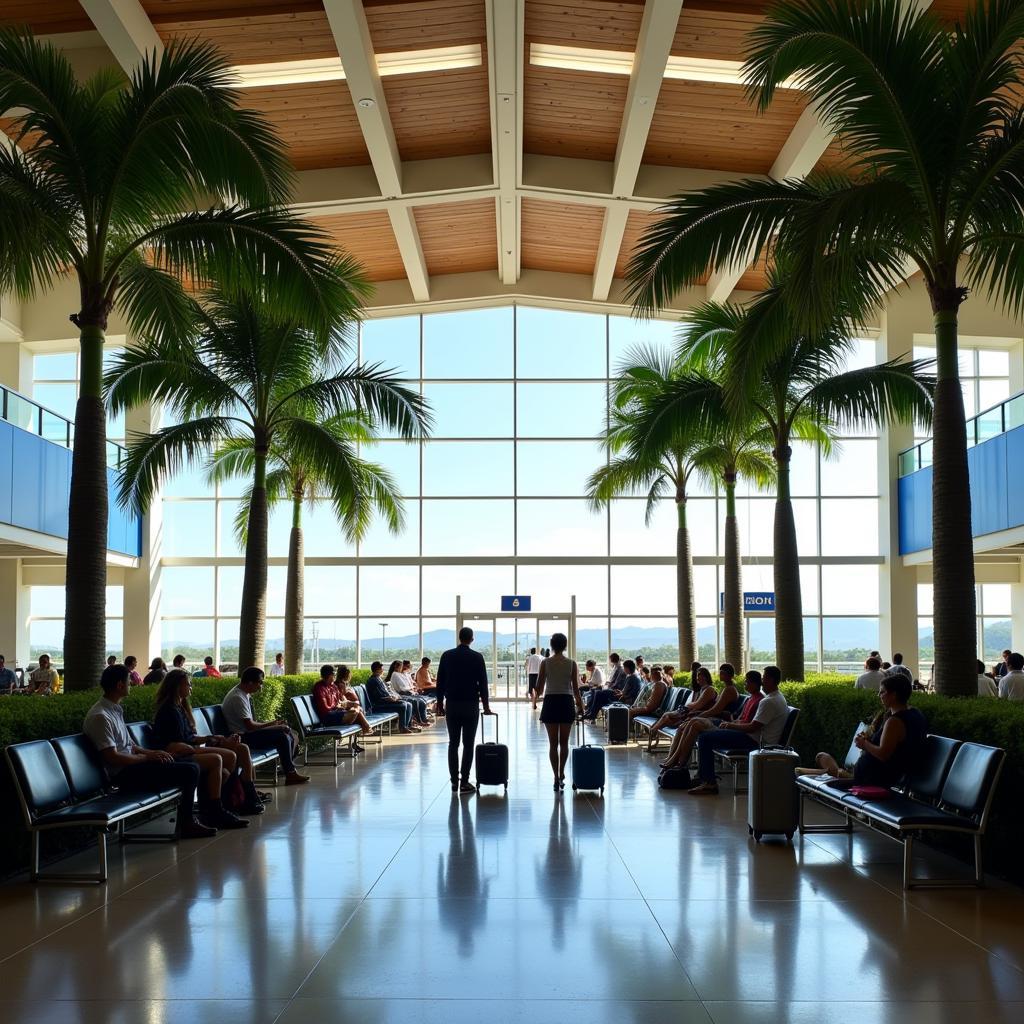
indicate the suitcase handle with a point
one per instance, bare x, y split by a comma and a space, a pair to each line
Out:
483, 718
580, 737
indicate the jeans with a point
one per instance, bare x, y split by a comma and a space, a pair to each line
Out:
401, 708
273, 739
419, 708
148, 776
602, 698
462, 719
719, 739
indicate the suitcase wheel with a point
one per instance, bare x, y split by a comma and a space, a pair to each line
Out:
789, 837
757, 836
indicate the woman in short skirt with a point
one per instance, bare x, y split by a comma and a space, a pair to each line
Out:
559, 684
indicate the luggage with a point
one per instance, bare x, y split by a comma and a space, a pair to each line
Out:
586, 764
617, 717
676, 777
491, 758
772, 801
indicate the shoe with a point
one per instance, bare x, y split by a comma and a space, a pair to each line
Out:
195, 829
704, 789
249, 808
253, 804
557, 785
358, 749
467, 787
213, 814
265, 797
455, 786
295, 779
228, 819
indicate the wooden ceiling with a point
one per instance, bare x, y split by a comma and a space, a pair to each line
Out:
567, 205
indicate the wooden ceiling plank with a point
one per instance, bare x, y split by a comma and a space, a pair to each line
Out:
126, 29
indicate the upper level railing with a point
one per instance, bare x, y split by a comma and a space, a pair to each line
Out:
37, 419
987, 424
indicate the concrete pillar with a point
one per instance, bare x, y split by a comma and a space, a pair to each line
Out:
142, 589
897, 598
14, 611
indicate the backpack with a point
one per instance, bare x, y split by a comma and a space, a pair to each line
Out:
676, 777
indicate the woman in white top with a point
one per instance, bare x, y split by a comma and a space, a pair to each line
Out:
559, 684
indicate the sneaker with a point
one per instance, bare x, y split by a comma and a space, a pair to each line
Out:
295, 779
196, 830
467, 787
704, 789
228, 819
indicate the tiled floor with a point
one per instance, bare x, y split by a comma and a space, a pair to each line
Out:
374, 894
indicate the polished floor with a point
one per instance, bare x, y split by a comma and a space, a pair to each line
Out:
373, 894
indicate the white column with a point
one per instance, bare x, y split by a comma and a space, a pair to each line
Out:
14, 609
142, 588
897, 598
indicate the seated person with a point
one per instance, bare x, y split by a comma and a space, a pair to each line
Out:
986, 684
1011, 685
174, 730
156, 673
424, 680
701, 698
208, 671
655, 698
383, 699
668, 673
275, 735
402, 685
8, 680
44, 679
333, 708
764, 729
630, 690
893, 742
178, 661
134, 769
871, 677
595, 677
277, 668
686, 736
132, 664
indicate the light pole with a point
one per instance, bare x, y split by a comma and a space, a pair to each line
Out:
383, 632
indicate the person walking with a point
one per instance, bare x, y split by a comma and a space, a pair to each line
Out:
532, 670
461, 689
559, 684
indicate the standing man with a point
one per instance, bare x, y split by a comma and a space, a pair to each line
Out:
533, 661
461, 688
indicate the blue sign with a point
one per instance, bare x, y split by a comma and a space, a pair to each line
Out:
515, 603
755, 602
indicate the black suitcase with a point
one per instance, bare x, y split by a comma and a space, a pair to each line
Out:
618, 722
586, 763
491, 758
773, 803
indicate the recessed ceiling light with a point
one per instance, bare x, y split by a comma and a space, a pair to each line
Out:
367, 103
330, 69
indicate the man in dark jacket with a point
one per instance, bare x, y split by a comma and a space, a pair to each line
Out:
461, 688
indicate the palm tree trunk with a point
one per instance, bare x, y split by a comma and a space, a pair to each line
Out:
85, 585
684, 591
294, 642
952, 547
252, 628
789, 615
733, 599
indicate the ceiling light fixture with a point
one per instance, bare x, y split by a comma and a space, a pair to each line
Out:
330, 69
618, 62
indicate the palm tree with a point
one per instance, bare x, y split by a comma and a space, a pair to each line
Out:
643, 380
245, 374
110, 180
931, 119
362, 489
802, 393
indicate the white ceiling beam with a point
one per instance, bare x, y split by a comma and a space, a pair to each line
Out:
653, 49
505, 43
355, 47
799, 155
126, 29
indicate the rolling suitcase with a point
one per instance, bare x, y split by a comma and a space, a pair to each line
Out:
491, 758
772, 801
617, 716
586, 763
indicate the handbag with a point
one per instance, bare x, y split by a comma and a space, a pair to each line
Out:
676, 777
871, 792
232, 795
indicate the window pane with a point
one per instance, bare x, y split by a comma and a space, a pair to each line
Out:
643, 589
591, 642
926, 649
61, 398
188, 590
227, 640
330, 590
229, 590
991, 363
394, 343
847, 642
849, 589
468, 468
556, 468
561, 410
656, 639
551, 586
474, 343
991, 392
707, 653
467, 528
480, 586
381, 542
997, 634
401, 460
553, 343
631, 535
273, 640
279, 532
321, 533
705, 590
332, 640
115, 638
625, 332
389, 589
188, 528
853, 469
848, 527
560, 527
471, 410
995, 598
115, 602
55, 366
193, 638
45, 637
438, 637
400, 638
190, 482
46, 601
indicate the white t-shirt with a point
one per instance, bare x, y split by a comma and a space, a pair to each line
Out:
276, 670
596, 679
1011, 686
870, 680
533, 664
986, 687
104, 725
237, 707
771, 713
402, 682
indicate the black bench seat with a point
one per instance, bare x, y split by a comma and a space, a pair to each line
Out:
311, 728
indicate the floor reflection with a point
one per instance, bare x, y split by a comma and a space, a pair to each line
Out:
459, 877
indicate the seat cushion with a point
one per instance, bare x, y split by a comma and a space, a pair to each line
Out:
905, 812
103, 810
645, 720
834, 788
333, 730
